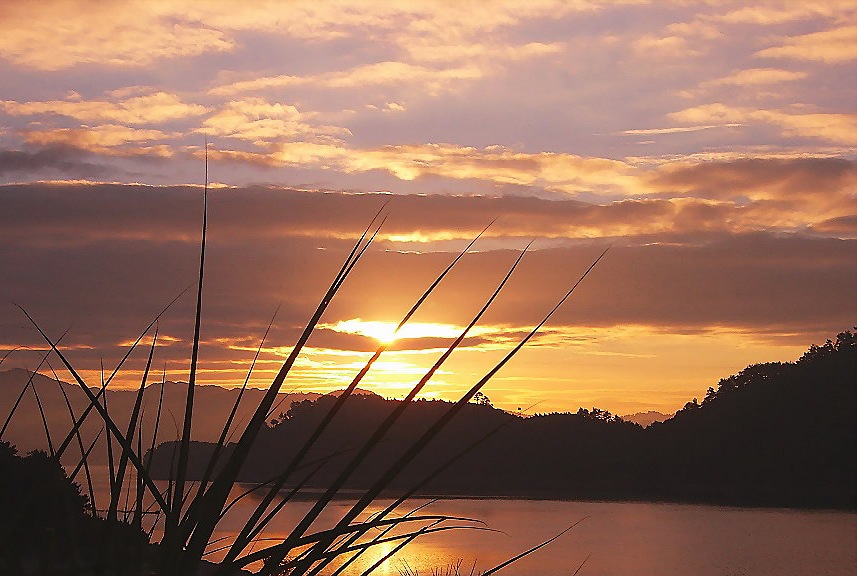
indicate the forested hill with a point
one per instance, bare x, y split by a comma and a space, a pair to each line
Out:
778, 434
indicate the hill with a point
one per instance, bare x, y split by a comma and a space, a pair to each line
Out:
778, 434
646, 419
26, 431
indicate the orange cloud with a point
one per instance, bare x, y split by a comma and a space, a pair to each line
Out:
563, 172
108, 139
782, 12
835, 128
756, 77
58, 35
139, 33
381, 73
828, 46
257, 120
147, 109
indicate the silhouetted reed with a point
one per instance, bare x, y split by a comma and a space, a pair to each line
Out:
190, 516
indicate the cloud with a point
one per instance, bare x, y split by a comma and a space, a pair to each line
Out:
767, 14
685, 202
139, 33
389, 73
756, 77
673, 47
108, 140
146, 109
562, 172
67, 160
828, 46
114, 34
832, 127
679, 129
256, 119
683, 266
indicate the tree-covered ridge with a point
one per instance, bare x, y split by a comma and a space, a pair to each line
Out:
777, 434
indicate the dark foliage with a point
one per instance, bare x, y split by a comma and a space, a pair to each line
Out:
46, 526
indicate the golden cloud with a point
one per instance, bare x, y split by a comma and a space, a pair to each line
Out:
257, 120
756, 77
381, 73
107, 139
147, 109
782, 12
836, 128
828, 46
63, 33
565, 172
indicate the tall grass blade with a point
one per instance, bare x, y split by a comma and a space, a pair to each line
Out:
82, 418
502, 565
132, 425
397, 548
82, 462
278, 548
184, 447
8, 352
256, 522
77, 436
222, 440
215, 497
109, 423
27, 385
370, 495
428, 478
345, 565
111, 465
44, 418
398, 411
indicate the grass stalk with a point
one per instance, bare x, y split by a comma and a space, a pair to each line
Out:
201, 526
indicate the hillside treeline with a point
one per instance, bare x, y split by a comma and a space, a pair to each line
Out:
775, 434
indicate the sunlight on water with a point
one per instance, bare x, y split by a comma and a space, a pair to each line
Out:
619, 539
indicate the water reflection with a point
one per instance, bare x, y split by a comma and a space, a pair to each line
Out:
621, 539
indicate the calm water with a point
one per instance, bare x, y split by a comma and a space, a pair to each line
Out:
619, 539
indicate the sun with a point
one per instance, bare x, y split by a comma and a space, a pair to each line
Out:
386, 333
383, 332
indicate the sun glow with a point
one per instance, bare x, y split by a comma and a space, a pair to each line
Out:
386, 333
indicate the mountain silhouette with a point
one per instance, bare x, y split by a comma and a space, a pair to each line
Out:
646, 419
26, 430
776, 434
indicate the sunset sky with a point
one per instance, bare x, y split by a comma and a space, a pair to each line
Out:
710, 144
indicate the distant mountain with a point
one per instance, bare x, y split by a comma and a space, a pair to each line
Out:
779, 434
211, 408
646, 419
357, 392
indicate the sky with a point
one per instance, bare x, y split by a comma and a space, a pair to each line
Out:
709, 145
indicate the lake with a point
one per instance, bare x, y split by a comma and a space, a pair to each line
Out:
617, 538
623, 539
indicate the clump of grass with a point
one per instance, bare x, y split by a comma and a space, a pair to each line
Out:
190, 517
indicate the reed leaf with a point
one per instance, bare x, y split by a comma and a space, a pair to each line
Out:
370, 495
32, 375
108, 421
398, 410
132, 425
125, 357
181, 471
201, 525
77, 436
517, 557
256, 521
